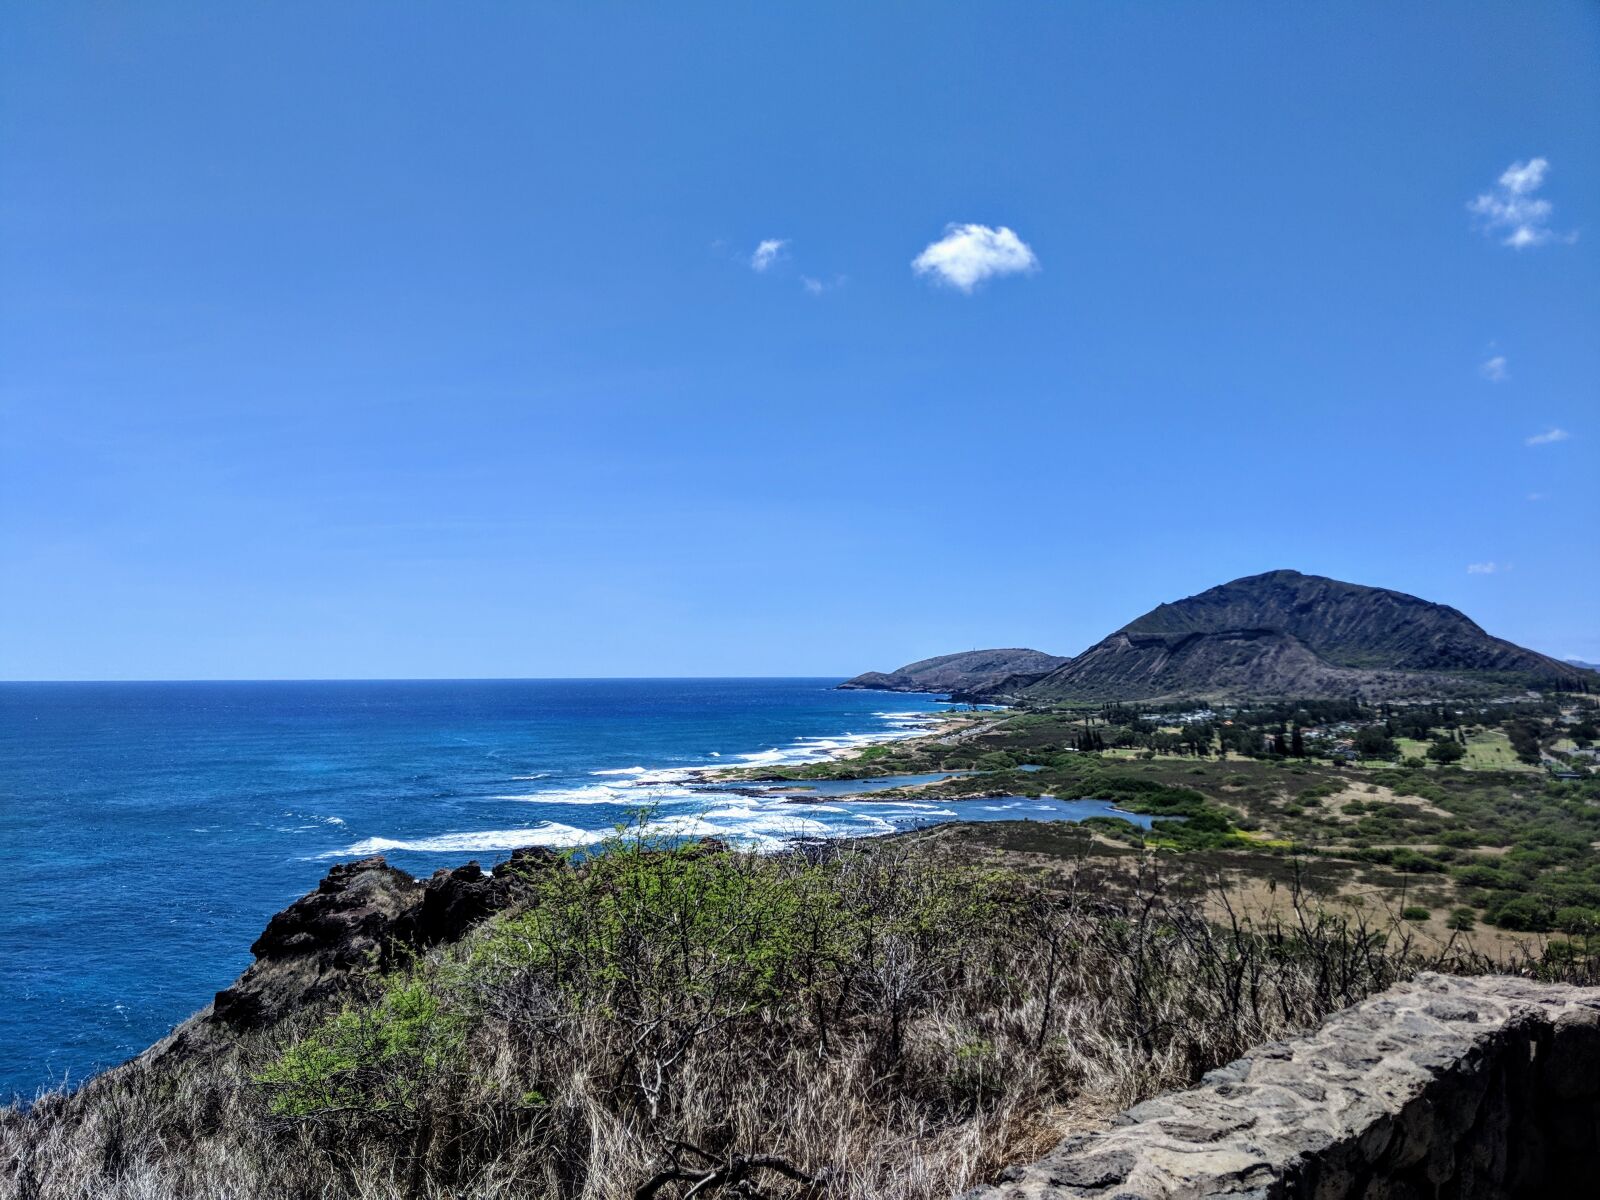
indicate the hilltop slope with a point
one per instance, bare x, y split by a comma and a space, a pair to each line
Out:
971, 670
1288, 634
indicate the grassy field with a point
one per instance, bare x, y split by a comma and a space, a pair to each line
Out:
1498, 838
1491, 751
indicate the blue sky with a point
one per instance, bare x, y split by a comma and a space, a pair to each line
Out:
428, 340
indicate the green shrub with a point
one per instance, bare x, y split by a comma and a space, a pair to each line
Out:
1520, 912
1576, 919
379, 1058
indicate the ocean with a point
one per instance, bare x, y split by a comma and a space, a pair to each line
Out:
149, 830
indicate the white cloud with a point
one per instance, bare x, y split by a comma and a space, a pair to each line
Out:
1512, 209
767, 253
1495, 369
1536, 497
1548, 436
1483, 568
1520, 178
968, 254
815, 287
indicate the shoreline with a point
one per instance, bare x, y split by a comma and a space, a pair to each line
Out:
689, 801
940, 725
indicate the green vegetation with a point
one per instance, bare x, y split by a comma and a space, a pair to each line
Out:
894, 1019
379, 1057
1516, 846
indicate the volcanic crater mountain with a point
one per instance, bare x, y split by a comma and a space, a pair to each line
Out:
1277, 634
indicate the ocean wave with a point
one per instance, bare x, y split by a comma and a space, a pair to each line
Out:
313, 819
806, 748
550, 834
622, 795
750, 826
755, 823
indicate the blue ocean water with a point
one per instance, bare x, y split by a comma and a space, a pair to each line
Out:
149, 830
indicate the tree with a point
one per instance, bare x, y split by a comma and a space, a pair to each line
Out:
1525, 737
1373, 741
1297, 743
1446, 752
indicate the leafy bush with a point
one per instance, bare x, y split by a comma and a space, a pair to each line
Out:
886, 1004
1521, 912
379, 1059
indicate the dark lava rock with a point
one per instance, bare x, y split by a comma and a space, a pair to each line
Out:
348, 917
363, 917
453, 901
314, 947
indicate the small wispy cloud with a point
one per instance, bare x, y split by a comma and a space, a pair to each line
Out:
767, 253
816, 287
1548, 437
1536, 497
1484, 568
1496, 369
1512, 211
969, 254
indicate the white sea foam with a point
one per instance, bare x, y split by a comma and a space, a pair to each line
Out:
730, 813
312, 821
864, 825
669, 775
629, 795
753, 822
549, 834
597, 794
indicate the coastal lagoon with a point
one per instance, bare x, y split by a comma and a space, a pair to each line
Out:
148, 831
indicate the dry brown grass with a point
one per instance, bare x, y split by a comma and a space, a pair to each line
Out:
888, 1023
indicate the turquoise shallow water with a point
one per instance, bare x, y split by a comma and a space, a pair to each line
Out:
147, 831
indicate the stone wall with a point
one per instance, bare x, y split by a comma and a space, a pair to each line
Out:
1440, 1088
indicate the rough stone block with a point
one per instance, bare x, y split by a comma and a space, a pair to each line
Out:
1444, 1087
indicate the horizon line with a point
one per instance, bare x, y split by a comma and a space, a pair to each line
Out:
433, 678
